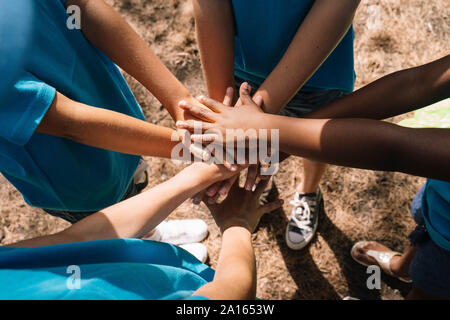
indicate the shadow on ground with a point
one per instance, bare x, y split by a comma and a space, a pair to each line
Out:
309, 279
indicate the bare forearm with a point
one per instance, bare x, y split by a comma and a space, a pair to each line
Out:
394, 94
215, 38
367, 144
131, 218
235, 277
136, 216
109, 32
105, 129
321, 31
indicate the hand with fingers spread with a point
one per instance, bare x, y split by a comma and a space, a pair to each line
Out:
242, 208
216, 121
221, 117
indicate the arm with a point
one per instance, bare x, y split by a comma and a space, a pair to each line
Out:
394, 94
235, 277
105, 129
237, 217
320, 33
359, 143
138, 215
109, 32
367, 144
214, 24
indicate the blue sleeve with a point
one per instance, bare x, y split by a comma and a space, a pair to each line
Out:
24, 107
197, 298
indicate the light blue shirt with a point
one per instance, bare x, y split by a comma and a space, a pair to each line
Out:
52, 172
264, 31
125, 269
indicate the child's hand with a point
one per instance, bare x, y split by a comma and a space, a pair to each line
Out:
196, 150
221, 117
242, 208
211, 194
209, 174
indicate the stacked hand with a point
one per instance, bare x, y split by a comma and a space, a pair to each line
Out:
215, 121
221, 117
242, 208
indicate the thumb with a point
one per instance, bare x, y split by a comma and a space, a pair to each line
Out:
271, 206
258, 100
244, 93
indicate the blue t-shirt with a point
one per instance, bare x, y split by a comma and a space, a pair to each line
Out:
125, 269
264, 31
436, 211
12, 56
52, 172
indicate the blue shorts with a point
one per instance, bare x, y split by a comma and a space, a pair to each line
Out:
74, 217
303, 102
430, 267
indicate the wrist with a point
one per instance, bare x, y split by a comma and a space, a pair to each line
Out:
261, 120
236, 231
235, 226
202, 174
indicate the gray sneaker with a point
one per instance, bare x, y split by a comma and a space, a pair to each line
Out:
304, 218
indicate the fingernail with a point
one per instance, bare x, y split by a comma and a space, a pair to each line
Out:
182, 103
229, 90
223, 191
202, 138
234, 167
181, 123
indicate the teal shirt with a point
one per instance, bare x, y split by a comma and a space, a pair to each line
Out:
436, 211
13, 55
125, 269
264, 31
52, 172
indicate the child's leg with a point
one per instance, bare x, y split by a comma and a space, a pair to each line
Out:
312, 174
308, 202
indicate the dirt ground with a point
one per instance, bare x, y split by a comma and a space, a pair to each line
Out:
360, 205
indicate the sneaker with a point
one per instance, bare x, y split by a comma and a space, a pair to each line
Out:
179, 232
140, 178
304, 219
198, 250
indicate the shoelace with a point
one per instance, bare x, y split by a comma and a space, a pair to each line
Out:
301, 214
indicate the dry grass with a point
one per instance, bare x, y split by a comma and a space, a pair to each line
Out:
359, 204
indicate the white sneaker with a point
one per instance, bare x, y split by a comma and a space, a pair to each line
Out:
140, 175
179, 232
198, 250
